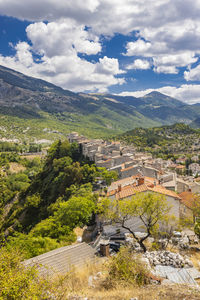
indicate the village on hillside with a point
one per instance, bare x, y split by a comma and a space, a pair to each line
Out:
138, 173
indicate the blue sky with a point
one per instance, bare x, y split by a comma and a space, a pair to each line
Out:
128, 47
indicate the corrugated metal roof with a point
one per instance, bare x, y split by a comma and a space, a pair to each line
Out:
176, 275
62, 259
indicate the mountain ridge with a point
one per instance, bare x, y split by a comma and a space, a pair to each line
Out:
94, 114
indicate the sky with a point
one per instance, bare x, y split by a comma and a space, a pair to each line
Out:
125, 47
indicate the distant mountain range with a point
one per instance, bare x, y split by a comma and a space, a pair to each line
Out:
34, 107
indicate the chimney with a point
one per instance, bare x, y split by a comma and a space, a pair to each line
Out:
104, 249
140, 180
119, 188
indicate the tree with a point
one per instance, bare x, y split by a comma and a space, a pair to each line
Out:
20, 282
150, 208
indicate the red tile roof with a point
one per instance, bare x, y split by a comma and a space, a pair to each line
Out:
131, 190
187, 198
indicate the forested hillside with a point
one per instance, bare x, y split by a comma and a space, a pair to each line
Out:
164, 141
43, 204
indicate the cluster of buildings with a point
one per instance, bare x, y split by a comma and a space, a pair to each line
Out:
139, 173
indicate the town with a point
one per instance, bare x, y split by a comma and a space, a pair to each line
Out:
140, 172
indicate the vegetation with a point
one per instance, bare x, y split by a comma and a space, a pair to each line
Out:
18, 282
165, 142
117, 281
126, 269
149, 208
48, 112
42, 205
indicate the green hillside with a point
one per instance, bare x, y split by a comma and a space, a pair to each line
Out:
163, 141
45, 201
32, 109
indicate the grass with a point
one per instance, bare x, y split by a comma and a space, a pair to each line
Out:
195, 258
75, 286
16, 168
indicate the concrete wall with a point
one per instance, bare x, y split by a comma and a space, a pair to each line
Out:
185, 212
175, 206
129, 172
181, 187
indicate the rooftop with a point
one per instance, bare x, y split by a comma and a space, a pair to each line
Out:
62, 259
187, 198
131, 190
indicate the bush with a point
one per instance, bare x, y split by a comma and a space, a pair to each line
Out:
126, 269
197, 228
31, 245
18, 282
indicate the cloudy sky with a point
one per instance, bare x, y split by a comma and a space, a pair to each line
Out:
127, 47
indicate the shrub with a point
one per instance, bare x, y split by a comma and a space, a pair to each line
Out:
18, 281
126, 269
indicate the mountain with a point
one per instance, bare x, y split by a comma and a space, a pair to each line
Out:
31, 107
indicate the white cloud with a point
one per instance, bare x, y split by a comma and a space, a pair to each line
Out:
192, 74
166, 59
68, 71
137, 48
140, 64
23, 54
168, 32
166, 69
108, 65
188, 93
58, 38
37, 10
58, 44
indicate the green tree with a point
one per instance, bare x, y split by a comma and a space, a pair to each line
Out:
77, 211
150, 208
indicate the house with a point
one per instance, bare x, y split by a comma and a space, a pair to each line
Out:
143, 186
116, 169
180, 169
105, 163
195, 187
133, 180
171, 182
61, 260
186, 205
144, 170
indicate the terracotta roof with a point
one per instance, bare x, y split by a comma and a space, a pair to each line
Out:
187, 198
162, 190
132, 190
129, 181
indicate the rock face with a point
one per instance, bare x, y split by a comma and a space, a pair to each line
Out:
167, 258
